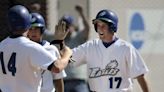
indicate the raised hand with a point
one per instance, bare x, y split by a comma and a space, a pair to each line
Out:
60, 31
78, 8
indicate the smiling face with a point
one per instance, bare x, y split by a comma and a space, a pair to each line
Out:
103, 31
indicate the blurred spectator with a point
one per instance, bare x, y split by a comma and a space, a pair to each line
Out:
76, 79
35, 7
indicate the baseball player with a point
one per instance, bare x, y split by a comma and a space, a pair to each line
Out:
22, 60
112, 63
36, 34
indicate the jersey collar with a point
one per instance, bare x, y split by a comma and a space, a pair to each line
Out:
107, 44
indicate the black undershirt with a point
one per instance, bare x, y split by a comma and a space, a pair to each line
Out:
42, 42
107, 44
15, 36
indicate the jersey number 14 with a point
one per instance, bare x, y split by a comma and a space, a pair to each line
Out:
11, 64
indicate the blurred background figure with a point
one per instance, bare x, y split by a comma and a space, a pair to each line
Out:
76, 80
35, 7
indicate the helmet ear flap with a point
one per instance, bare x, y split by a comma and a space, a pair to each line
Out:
95, 26
42, 29
112, 27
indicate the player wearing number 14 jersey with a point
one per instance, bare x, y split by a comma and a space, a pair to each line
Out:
112, 63
22, 60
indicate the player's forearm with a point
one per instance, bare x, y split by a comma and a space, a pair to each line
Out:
143, 83
61, 63
79, 9
59, 85
85, 22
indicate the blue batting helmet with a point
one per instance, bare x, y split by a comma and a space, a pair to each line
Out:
38, 21
68, 19
109, 17
19, 18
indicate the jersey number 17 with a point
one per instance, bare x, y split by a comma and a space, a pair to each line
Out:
11, 64
115, 80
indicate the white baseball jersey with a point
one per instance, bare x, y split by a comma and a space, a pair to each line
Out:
110, 69
47, 77
21, 63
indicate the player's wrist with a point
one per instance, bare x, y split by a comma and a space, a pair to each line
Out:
59, 42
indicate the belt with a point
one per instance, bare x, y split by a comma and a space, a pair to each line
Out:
77, 80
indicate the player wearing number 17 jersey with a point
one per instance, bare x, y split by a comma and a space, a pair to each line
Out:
112, 63
22, 60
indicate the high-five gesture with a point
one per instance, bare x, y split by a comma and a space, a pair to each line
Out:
60, 31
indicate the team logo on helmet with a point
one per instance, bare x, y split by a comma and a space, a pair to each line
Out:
33, 19
103, 13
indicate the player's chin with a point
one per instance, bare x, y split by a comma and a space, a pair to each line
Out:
101, 36
33, 39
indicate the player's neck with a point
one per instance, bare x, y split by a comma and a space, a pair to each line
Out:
16, 34
39, 40
109, 39
42, 42
109, 43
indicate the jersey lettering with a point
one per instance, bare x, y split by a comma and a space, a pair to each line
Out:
110, 69
11, 64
